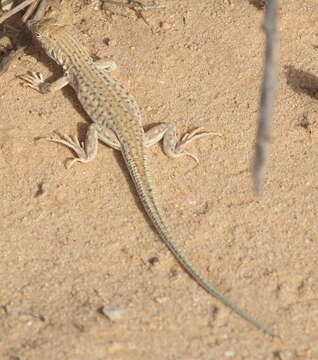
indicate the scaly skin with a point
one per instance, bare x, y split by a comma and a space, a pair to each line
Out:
117, 122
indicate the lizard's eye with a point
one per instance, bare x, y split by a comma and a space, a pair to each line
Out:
37, 35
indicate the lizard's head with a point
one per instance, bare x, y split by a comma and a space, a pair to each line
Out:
48, 32
45, 28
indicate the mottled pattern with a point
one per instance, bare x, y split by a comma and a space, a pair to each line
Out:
113, 109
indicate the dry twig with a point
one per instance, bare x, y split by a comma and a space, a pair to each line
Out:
38, 9
268, 92
16, 9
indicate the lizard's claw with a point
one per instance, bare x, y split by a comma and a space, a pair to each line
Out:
191, 136
34, 80
196, 134
73, 143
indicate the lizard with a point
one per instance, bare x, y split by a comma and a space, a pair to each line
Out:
116, 121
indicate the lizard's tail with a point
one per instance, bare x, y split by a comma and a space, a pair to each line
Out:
146, 194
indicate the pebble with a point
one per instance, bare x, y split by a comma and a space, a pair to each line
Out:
113, 313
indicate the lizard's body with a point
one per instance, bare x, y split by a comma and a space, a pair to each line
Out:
117, 122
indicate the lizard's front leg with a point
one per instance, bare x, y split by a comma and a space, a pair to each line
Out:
36, 81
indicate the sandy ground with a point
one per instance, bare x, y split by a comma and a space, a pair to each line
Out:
75, 241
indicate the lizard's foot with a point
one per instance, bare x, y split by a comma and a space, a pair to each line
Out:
85, 150
188, 138
196, 134
172, 148
73, 143
34, 80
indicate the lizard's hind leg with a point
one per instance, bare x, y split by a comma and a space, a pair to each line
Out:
172, 147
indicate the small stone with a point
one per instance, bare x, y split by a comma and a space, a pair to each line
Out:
115, 347
113, 313
162, 299
229, 353
287, 355
112, 43
165, 26
42, 189
154, 260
